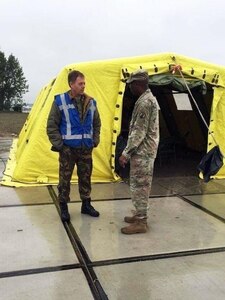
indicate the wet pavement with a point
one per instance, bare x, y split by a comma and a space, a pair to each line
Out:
180, 257
5, 144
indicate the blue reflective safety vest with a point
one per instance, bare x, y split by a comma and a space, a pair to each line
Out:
75, 132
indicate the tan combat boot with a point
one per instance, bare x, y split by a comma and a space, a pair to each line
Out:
130, 219
138, 226
135, 216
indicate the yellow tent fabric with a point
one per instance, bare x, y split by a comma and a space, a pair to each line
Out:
31, 161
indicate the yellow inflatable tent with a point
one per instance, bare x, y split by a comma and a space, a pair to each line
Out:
31, 161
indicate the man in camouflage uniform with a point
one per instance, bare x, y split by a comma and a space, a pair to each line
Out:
73, 129
141, 150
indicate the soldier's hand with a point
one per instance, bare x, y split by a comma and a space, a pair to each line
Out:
122, 161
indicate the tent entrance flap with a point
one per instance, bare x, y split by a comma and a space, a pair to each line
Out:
186, 123
181, 127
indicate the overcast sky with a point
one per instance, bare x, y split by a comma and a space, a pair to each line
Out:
46, 35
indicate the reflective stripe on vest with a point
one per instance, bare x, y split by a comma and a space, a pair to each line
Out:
65, 108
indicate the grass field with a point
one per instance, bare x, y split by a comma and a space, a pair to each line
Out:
11, 123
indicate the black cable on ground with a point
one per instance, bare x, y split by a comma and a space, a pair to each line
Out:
150, 257
201, 208
85, 262
38, 270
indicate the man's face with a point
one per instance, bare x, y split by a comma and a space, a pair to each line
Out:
78, 86
134, 88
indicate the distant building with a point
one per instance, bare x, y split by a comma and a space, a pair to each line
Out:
27, 108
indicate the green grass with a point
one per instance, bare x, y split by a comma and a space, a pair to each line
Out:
11, 123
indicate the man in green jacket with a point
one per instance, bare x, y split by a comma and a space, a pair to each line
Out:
73, 129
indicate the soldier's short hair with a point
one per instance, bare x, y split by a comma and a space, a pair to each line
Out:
72, 76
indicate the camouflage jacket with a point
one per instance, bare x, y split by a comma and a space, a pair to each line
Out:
54, 119
143, 136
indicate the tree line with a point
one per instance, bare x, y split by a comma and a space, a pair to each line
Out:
13, 84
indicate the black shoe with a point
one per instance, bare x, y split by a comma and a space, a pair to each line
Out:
88, 209
64, 213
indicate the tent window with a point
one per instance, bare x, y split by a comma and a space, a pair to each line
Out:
182, 101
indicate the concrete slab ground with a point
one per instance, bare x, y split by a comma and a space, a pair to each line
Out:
174, 226
24, 196
32, 237
194, 277
214, 204
70, 285
181, 257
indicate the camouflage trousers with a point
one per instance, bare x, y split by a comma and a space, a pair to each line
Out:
68, 158
141, 172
